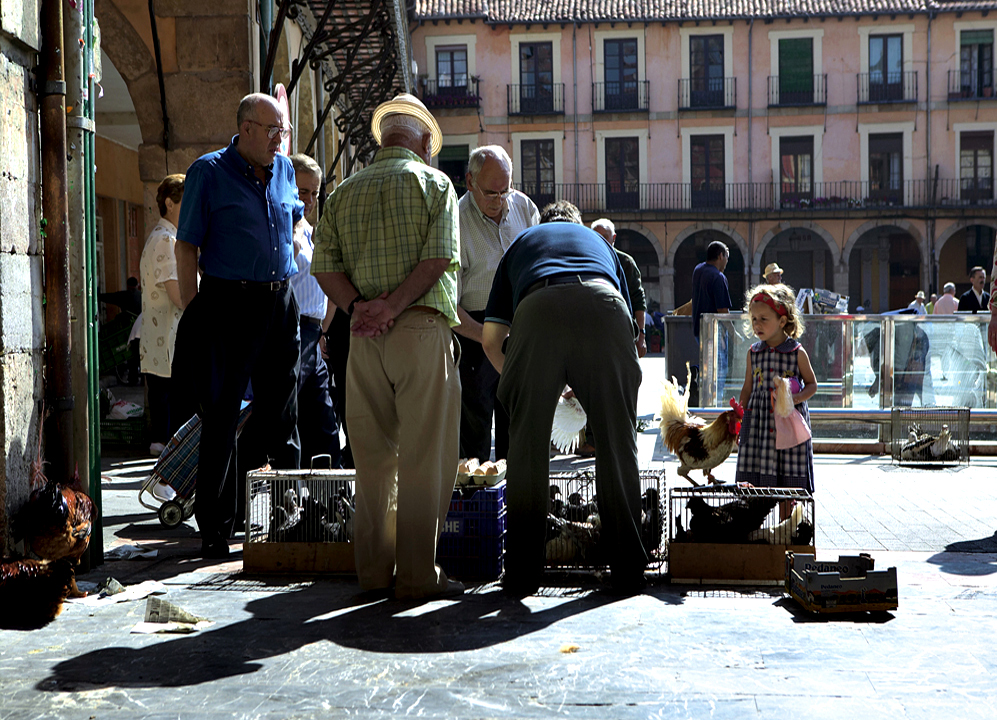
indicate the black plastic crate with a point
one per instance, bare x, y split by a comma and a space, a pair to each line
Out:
472, 543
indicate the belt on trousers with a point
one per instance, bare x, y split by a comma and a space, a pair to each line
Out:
574, 279
255, 285
424, 309
305, 319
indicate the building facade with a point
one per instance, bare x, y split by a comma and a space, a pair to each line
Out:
854, 148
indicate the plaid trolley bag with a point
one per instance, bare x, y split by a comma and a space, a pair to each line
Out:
177, 468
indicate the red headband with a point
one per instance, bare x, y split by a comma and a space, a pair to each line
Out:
763, 298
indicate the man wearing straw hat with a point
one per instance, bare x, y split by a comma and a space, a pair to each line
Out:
773, 274
387, 251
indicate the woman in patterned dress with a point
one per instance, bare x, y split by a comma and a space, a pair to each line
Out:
776, 321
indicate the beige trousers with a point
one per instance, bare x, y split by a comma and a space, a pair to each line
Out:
403, 417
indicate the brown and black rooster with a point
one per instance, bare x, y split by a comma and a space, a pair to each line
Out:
697, 445
57, 519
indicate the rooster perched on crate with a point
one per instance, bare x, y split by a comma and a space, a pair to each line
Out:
697, 445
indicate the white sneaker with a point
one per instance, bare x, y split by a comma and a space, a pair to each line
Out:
163, 491
156, 449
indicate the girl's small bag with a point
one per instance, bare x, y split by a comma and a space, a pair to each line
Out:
790, 427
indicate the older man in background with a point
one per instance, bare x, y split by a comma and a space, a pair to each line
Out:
638, 302
976, 299
387, 251
492, 214
773, 274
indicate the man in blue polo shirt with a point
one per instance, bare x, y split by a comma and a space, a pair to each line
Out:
560, 297
711, 294
241, 210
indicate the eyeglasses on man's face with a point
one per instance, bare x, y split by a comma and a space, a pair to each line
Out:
274, 130
493, 195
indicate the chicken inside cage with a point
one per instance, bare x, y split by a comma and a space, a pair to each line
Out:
574, 526
927, 447
292, 508
740, 515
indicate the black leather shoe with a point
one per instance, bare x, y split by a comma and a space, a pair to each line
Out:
215, 551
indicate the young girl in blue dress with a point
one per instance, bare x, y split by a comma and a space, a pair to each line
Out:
776, 321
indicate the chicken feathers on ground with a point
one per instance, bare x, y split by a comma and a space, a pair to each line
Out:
697, 446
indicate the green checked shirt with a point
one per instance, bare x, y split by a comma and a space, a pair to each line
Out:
386, 219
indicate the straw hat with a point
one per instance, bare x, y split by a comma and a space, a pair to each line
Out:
405, 104
772, 268
920, 295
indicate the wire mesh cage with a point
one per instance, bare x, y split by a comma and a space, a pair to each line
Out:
732, 514
300, 520
930, 436
730, 533
573, 534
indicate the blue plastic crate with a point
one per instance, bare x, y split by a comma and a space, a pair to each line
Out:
460, 524
483, 500
471, 558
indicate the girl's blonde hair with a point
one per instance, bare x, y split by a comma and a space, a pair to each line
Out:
779, 297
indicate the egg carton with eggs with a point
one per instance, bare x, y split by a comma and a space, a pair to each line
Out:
486, 474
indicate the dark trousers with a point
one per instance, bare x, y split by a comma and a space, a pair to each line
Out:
185, 369
318, 426
580, 335
337, 346
250, 334
479, 381
160, 425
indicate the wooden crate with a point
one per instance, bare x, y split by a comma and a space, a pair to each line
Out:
726, 548
311, 534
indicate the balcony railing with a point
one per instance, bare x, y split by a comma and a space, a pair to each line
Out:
448, 95
631, 96
893, 87
786, 92
540, 99
849, 195
707, 93
971, 85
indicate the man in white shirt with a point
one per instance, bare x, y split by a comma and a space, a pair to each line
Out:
318, 426
492, 214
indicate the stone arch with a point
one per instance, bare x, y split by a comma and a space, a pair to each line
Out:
958, 225
905, 225
648, 235
694, 228
133, 60
813, 227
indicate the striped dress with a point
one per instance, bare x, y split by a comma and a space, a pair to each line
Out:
758, 461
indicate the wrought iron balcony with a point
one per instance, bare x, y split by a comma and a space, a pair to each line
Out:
792, 92
965, 85
893, 87
707, 93
846, 195
449, 94
538, 99
629, 96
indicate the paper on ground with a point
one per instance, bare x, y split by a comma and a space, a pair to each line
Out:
131, 592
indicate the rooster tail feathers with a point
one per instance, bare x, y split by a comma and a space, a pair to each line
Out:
673, 403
